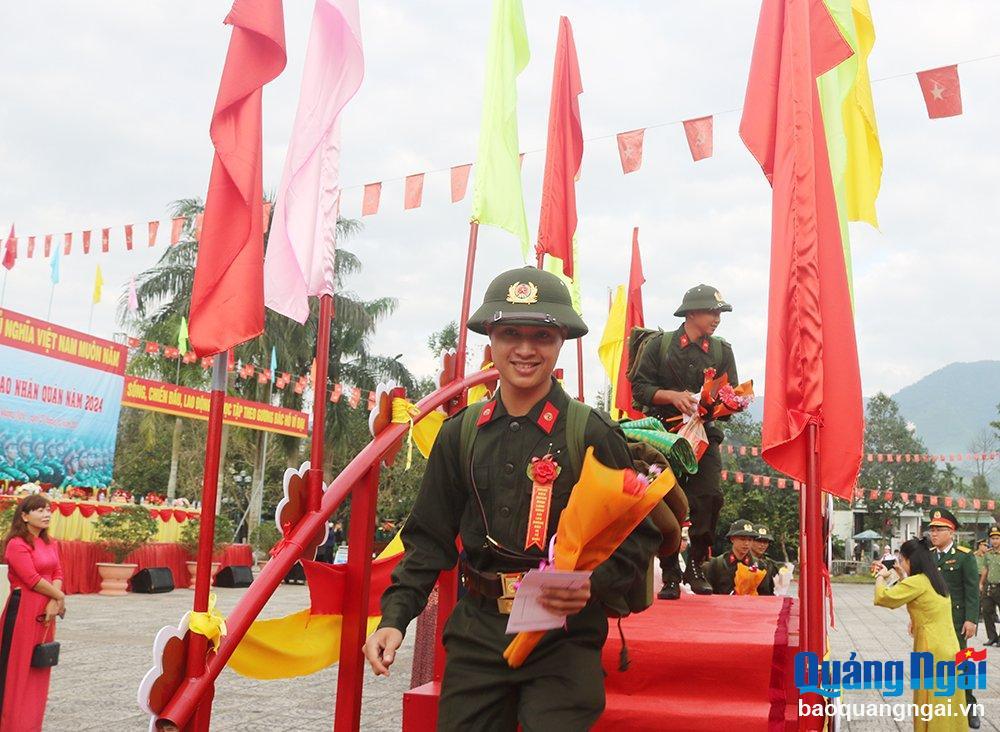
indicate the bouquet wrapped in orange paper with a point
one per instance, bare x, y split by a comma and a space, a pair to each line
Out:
718, 398
605, 506
748, 579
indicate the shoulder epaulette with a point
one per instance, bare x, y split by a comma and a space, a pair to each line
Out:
963, 549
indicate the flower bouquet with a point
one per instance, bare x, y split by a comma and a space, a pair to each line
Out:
76, 493
604, 507
718, 398
748, 579
153, 499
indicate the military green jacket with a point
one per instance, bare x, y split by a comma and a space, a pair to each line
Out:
720, 571
682, 370
447, 507
991, 561
958, 567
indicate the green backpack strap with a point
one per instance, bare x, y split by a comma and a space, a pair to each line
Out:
665, 340
577, 414
468, 432
715, 349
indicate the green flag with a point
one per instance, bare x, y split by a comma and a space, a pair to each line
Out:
497, 199
555, 266
182, 336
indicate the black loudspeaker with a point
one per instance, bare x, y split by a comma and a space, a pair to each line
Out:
234, 576
153, 579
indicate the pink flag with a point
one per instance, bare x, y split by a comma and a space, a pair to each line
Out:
86, 242
10, 250
699, 136
128, 237
67, 242
413, 194
154, 226
105, 233
942, 91
133, 297
176, 227
48, 245
459, 181
31, 247
300, 250
369, 204
630, 149
199, 220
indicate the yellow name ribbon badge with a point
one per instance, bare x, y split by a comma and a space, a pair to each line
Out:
210, 624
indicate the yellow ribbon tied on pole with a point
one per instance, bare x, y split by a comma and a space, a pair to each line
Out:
403, 412
210, 624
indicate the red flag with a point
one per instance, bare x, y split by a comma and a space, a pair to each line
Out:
338, 390
31, 247
990, 505
699, 137
369, 204
630, 149
171, 352
10, 250
154, 226
176, 227
48, 245
459, 181
812, 374
128, 237
633, 319
942, 91
105, 234
227, 301
413, 194
970, 654
86, 242
152, 347
133, 342
557, 221
371, 401
67, 242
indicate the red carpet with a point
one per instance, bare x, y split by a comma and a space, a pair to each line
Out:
699, 663
702, 663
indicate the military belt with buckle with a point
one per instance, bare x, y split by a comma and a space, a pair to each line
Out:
499, 586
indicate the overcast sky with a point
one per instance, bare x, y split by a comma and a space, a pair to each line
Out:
104, 121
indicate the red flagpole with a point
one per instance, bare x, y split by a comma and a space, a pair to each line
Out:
314, 479
470, 266
198, 644
812, 621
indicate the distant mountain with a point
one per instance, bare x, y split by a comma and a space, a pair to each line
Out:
950, 406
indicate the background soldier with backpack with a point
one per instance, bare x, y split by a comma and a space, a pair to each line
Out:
667, 373
483, 475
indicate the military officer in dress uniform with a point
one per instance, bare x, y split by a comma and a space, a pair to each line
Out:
477, 486
667, 380
958, 567
989, 586
721, 571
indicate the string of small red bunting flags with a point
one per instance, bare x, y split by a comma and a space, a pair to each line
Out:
940, 87
768, 481
872, 457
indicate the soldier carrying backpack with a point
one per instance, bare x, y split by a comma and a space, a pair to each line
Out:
666, 370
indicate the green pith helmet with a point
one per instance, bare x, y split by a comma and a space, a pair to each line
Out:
762, 534
528, 296
703, 297
741, 527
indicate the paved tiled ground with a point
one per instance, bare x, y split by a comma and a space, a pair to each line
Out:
106, 646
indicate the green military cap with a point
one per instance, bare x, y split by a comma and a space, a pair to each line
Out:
741, 527
995, 530
528, 296
761, 532
703, 297
944, 517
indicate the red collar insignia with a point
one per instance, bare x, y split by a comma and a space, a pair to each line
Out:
547, 419
487, 414
685, 342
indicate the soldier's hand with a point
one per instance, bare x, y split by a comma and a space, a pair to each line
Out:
380, 649
566, 602
968, 629
684, 402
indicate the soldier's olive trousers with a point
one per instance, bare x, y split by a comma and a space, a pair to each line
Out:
559, 687
988, 609
704, 496
962, 644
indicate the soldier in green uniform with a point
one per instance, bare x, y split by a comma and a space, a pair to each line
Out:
8, 463
667, 379
958, 567
759, 546
477, 486
721, 571
989, 586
